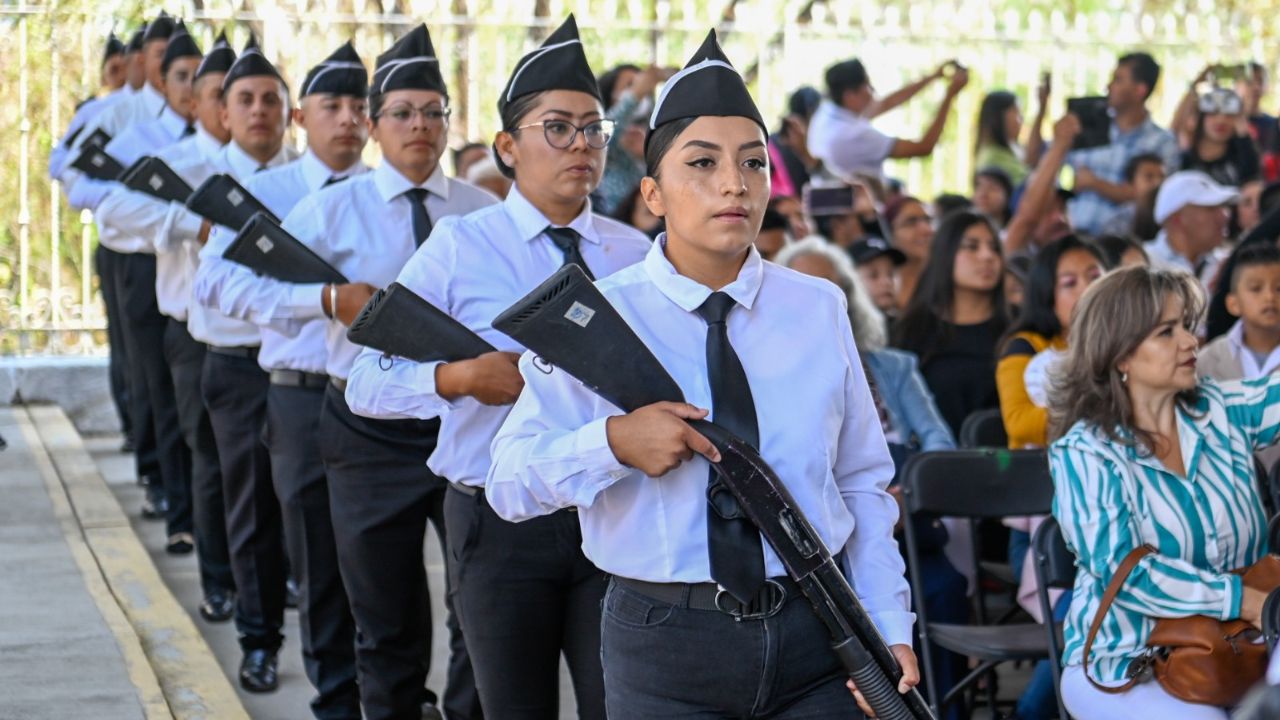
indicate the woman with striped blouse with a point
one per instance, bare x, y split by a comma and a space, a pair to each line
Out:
1146, 455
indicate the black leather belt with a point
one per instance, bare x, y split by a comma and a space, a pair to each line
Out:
708, 596
467, 489
339, 383
239, 351
298, 378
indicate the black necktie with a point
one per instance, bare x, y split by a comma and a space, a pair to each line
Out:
260, 169
334, 180
189, 130
567, 240
737, 556
418, 210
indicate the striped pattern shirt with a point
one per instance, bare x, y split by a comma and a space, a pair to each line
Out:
1111, 498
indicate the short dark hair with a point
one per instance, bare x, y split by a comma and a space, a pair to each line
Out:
1144, 69
457, 154
1115, 246
1253, 255
774, 220
1131, 167
660, 141
847, 75
1269, 199
609, 81
947, 203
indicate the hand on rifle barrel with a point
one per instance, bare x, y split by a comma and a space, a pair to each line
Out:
655, 439
910, 676
492, 378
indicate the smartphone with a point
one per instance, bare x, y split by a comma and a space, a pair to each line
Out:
1095, 121
827, 201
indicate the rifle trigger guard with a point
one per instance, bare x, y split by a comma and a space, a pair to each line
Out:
723, 502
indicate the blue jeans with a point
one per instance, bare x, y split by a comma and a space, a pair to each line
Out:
666, 661
1037, 701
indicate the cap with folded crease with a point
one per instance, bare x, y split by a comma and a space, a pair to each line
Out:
342, 73
220, 57
560, 63
114, 47
159, 29
135, 40
708, 85
251, 63
409, 64
181, 45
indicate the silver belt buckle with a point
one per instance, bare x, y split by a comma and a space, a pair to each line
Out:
771, 596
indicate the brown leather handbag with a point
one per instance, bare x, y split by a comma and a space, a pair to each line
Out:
1197, 659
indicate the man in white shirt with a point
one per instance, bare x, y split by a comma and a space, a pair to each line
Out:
381, 492
255, 109
116, 62
841, 134
1193, 213
333, 113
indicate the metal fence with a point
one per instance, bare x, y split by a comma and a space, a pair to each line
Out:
49, 300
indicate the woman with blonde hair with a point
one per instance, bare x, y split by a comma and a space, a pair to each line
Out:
1148, 455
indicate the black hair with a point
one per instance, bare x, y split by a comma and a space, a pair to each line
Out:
947, 203
1269, 199
512, 113
1145, 226
659, 142
923, 327
847, 75
774, 220
1037, 314
1143, 68
457, 154
1114, 247
1137, 161
1252, 255
991, 129
609, 81
1001, 178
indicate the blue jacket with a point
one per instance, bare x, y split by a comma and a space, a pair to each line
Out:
908, 400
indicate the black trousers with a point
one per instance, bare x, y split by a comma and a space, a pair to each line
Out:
525, 595
208, 512
151, 388
324, 615
235, 393
106, 261
381, 495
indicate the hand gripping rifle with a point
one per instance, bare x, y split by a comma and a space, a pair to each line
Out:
570, 324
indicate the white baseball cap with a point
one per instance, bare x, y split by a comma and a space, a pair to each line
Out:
1190, 187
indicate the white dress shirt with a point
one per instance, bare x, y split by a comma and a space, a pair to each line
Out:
142, 106
818, 429
847, 143
183, 226
60, 153
474, 267
362, 227
1249, 362
1164, 257
124, 225
235, 290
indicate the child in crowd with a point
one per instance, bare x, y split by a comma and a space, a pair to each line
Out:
877, 263
1251, 349
1145, 173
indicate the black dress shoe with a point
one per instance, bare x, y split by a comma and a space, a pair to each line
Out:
127, 446
180, 544
218, 606
258, 671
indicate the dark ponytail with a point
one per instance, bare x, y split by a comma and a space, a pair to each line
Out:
660, 141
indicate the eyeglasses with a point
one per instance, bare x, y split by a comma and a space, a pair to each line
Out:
561, 134
402, 114
1221, 101
905, 222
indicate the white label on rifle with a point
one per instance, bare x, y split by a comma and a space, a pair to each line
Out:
156, 183
579, 314
235, 198
264, 244
98, 160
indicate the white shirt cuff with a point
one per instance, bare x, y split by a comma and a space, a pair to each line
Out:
306, 301
591, 443
187, 225
895, 626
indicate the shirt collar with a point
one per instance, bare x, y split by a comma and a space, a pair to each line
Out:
1164, 252
688, 293
243, 165
207, 143
315, 173
152, 99
391, 184
530, 221
172, 122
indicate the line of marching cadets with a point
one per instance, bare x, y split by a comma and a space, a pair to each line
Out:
571, 529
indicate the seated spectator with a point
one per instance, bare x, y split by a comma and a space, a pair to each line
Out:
1251, 86
773, 234
791, 208
1221, 146
1145, 173
1192, 211
911, 231
468, 155
1251, 349
1041, 217
629, 89
841, 135
1249, 207
877, 263
839, 221
1125, 407
999, 127
789, 160
484, 173
956, 315
992, 192
947, 203
635, 212
1121, 251
1100, 185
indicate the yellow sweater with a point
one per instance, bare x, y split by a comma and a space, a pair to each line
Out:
1026, 423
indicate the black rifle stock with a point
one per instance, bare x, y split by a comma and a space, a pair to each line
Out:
569, 323
153, 176
223, 201
268, 249
94, 161
398, 321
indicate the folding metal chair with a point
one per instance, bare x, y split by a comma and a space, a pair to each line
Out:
1055, 567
